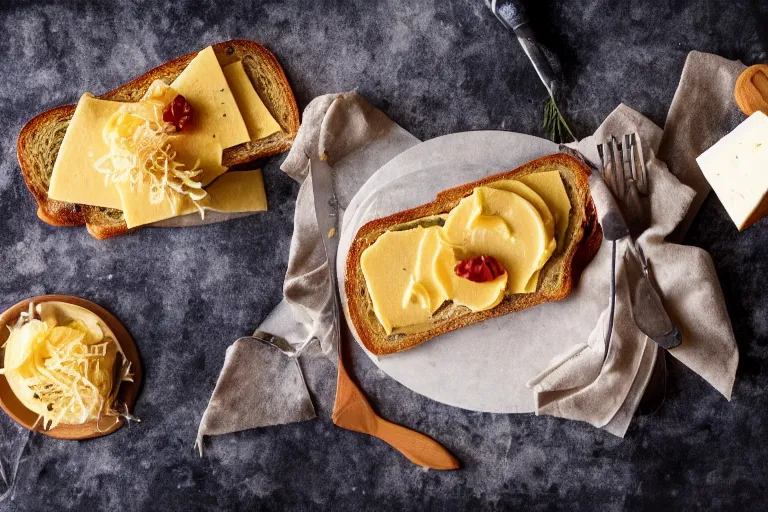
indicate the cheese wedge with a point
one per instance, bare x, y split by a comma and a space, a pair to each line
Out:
736, 168
257, 118
218, 123
74, 178
232, 192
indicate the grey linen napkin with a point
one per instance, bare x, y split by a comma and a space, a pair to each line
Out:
579, 385
703, 110
582, 384
258, 385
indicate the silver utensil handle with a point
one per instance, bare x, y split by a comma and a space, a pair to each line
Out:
612, 311
512, 15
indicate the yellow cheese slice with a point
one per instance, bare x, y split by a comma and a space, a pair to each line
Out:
478, 296
237, 191
257, 118
74, 178
217, 123
430, 283
527, 193
232, 192
388, 266
410, 274
549, 186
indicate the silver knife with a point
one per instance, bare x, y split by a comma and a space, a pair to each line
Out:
327, 212
512, 15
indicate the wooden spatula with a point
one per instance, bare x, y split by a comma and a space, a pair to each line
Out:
751, 89
351, 410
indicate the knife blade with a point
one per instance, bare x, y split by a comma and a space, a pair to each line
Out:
327, 213
512, 15
647, 309
326, 205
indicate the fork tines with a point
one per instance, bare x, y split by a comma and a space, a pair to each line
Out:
621, 161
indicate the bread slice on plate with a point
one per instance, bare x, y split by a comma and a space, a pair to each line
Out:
582, 241
40, 139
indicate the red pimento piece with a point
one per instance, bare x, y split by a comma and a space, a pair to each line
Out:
479, 269
178, 112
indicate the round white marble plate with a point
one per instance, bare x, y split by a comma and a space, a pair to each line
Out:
485, 366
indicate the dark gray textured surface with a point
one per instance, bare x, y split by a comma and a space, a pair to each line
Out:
435, 67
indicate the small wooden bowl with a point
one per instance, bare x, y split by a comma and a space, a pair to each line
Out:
126, 394
751, 91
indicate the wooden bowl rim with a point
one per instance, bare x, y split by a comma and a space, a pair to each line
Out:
126, 394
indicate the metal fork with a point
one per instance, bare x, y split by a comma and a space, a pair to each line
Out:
624, 172
626, 175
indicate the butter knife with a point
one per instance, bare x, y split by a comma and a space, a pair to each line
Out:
351, 409
512, 15
647, 309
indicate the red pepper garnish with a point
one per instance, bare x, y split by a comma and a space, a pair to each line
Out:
479, 269
178, 112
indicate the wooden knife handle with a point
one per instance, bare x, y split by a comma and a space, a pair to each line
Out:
418, 448
353, 412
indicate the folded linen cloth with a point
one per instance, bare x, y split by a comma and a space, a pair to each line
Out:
357, 140
589, 385
703, 110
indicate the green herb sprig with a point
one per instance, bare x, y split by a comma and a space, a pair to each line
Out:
554, 123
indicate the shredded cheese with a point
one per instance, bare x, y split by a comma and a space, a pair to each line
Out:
63, 373
141, 151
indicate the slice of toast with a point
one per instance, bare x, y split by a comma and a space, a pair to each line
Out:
582, 241
40, 139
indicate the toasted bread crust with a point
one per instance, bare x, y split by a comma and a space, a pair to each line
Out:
41, 137
561, 271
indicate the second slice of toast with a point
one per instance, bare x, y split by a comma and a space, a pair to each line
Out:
40, 139
583, 239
